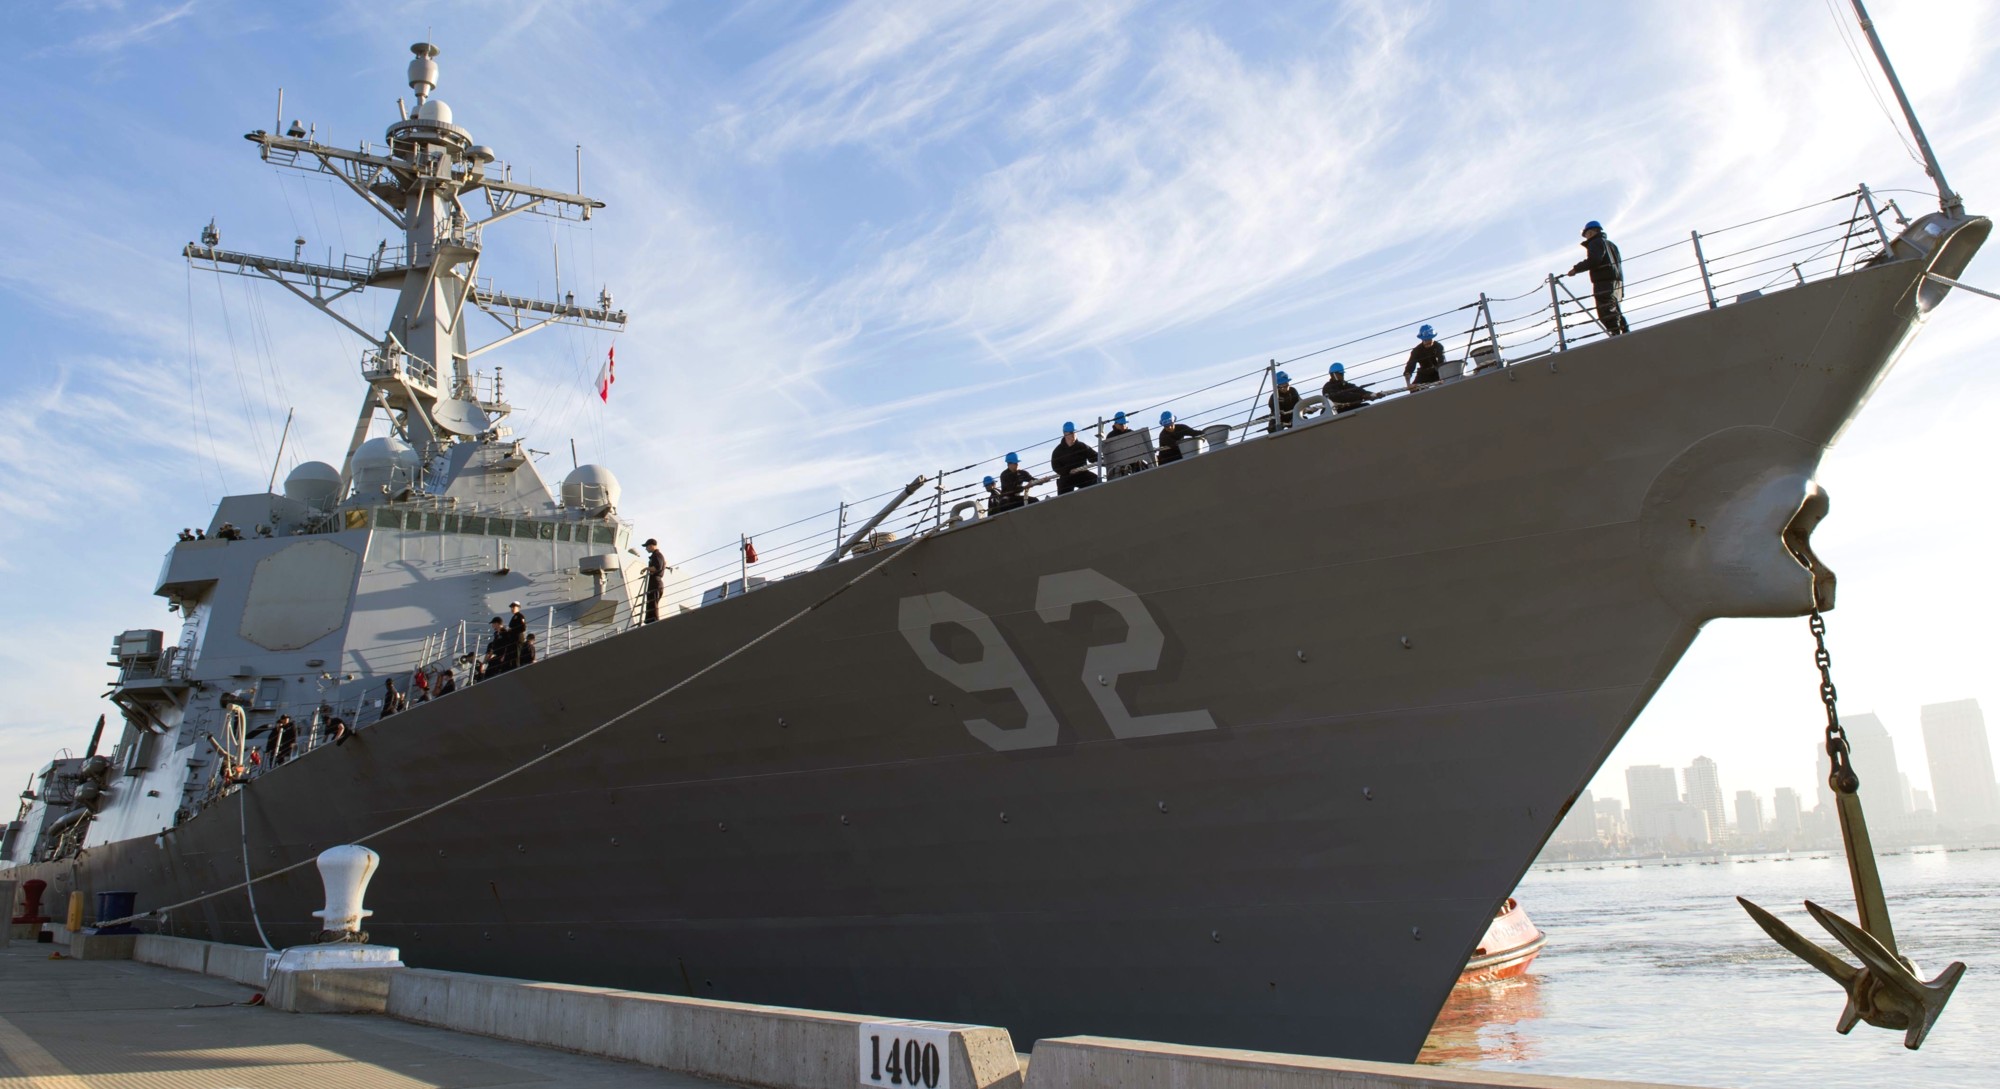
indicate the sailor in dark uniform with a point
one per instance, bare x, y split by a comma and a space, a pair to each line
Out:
1607, 276
656, 579
1284, 398
1071, 459
1345, 395
1421, 369
517, 624
1171, 436
1014, 484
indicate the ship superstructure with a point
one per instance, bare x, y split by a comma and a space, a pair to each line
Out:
1255, 775
307, 603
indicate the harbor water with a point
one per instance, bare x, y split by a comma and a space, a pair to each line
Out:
1653, 972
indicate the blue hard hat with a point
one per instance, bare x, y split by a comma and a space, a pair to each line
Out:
1282, 378
1336, 369
988, 481
1593, 225
1426, 333
1013, 459
1166, 418
1118, 418
1069, 428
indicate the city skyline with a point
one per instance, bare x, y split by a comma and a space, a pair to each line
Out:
1685, 807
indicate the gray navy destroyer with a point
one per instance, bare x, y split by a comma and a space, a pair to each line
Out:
1256, 775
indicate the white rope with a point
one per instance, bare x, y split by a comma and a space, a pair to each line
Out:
509, 774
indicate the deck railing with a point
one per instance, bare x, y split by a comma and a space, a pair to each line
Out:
1705, 270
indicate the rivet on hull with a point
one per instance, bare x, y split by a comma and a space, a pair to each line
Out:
1417, 933
1215, 935
1302, 656
1368, 793
1406, 642
1163, 807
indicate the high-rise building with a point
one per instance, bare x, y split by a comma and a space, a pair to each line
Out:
1961, 763
1655, 796
1651, 786
1749, 814
1611, 826
1786, 820
1874, 756
1704, 792
1920, 802
1579, 825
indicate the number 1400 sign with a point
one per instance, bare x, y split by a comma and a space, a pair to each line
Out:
906, 1053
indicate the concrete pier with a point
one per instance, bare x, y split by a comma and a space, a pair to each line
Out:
100, 1024
181, 1014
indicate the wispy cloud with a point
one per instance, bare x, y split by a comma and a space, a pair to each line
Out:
900, 73
116, 37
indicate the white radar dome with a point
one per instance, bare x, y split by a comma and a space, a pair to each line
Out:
314, 483
434, 109
383, 461
588, 487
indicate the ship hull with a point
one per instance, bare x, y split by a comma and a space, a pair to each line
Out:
1414, 633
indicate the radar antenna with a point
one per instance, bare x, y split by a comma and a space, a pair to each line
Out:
423, 181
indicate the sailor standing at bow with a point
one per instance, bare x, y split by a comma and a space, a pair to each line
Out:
1607, 276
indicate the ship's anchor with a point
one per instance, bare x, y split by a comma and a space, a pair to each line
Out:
1886, 990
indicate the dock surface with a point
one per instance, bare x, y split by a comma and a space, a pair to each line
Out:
121, 1024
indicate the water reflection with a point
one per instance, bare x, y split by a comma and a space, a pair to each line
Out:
1487, 1023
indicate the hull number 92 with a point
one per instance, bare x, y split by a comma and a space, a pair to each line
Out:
908, 1054
999, 668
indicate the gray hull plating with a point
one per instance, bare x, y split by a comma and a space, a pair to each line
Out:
1417, 629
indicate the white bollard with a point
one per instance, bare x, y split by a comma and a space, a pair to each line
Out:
341, 943
345, 871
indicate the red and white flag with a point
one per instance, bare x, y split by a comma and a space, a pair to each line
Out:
749, 550
606, 374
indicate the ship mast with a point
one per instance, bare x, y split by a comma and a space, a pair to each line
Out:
1948, 202
424, 182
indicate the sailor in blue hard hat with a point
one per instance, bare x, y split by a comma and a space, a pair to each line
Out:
1124, 452
1607, 276
1071, 459
1345, 395
1284, 398
1175, 439
1421, 369
1014, 484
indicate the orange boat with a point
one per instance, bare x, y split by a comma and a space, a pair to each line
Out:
1510, 944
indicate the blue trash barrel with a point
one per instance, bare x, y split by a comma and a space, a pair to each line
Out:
115, 905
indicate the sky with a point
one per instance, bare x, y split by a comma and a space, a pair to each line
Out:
860, 241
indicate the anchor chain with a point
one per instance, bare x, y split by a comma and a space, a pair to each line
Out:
1885, 991
1843, 777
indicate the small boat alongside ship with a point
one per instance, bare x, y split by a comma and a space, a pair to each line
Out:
1512, 942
